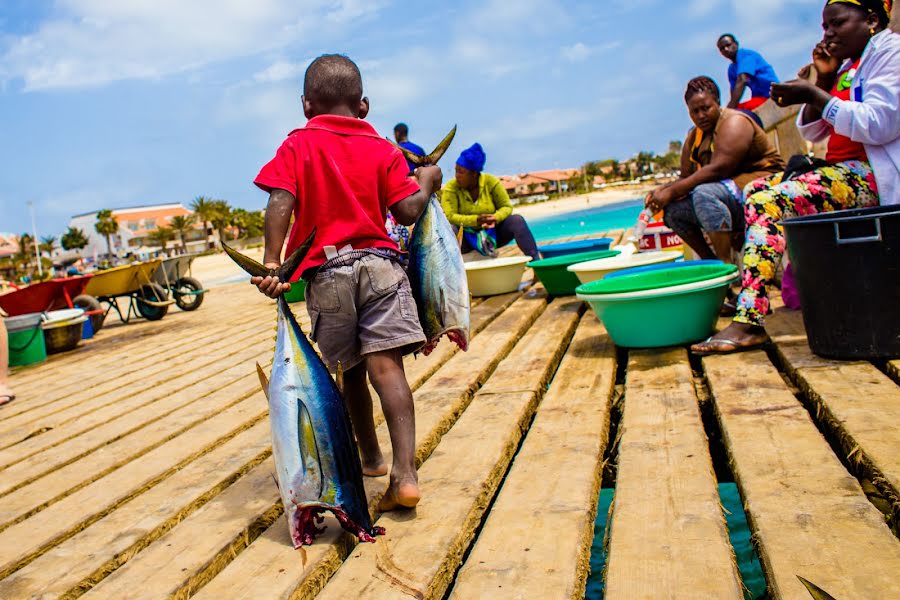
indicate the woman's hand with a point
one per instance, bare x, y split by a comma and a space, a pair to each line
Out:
793, 92
487, 221
799, 92
658, 199
826, 65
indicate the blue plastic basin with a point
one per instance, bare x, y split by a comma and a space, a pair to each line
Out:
589, 245
672, 265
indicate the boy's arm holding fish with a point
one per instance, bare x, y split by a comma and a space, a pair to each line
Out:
278, 218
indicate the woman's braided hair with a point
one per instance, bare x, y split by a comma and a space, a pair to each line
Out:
702, 85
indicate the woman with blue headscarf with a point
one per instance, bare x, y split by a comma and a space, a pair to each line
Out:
478, 202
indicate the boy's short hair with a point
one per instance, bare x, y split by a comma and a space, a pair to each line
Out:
401, 128
333, 80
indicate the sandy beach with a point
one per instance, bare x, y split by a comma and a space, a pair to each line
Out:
582, 201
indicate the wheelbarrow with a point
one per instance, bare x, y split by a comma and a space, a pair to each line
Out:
175, 276
55, 294
134, 282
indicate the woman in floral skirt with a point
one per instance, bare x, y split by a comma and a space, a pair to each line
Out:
855, 100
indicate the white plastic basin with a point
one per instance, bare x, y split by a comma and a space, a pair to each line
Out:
593, 270
54, 318
495, 276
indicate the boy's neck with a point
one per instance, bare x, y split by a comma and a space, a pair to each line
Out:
339, 111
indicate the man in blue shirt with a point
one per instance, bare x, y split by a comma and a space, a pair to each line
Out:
747, 69
401, 134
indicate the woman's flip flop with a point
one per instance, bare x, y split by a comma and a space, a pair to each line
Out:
724, 346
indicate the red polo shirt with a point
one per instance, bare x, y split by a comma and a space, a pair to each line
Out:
344, 177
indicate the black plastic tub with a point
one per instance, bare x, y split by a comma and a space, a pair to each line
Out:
847, 265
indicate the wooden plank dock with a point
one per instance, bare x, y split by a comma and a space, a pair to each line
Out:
139, 466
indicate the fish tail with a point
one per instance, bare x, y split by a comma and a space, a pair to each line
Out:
441, 148
290, 264
257, 269
433, 158
254, 268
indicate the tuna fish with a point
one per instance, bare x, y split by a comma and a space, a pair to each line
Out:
436, 272
316, 459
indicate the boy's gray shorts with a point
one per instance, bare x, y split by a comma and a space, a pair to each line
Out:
363, 307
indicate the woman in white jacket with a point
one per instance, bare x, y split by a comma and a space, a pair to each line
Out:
855, 100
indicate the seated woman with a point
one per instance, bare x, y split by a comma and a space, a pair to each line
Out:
858, 104
724, 151
477, 200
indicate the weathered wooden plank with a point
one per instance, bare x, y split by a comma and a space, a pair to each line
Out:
49, 476
104, 350
144, 353
668, 537
270, 567
25, 540
78, 563
809, 516
419, 556
88, 400
419, 369
158, 401
856, 402
199, 542
893, 369
536, 541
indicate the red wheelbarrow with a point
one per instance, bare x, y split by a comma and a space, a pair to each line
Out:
54, 294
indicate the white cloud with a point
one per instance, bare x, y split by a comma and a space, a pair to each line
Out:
576, 52
95, 42
280, 71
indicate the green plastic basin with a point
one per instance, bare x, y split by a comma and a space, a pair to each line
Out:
663, 319
297, 292
658, 278
553, 272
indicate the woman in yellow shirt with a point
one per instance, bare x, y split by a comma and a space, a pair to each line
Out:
476, 200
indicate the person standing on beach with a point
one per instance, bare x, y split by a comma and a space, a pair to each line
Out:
401, 134
338, 176
748, 69
6, 393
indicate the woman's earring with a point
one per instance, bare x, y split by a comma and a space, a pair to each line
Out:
871, 31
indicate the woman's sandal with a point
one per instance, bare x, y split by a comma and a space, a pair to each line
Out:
725, 346
6, 399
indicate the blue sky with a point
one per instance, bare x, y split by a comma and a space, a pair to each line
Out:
107, 104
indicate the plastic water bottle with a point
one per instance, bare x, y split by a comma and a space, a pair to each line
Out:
639, 228
642, 221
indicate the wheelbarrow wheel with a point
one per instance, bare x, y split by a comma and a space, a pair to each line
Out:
154, 293
186, 296
91, 305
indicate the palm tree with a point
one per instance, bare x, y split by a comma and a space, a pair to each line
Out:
181, 225
73, 239
221, 217
22, 258
249, 224
106, 225
205, 210
47, 244
162, 236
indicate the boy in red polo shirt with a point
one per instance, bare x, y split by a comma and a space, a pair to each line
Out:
339, 176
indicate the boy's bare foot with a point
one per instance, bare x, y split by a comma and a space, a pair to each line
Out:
377, 468
400, 495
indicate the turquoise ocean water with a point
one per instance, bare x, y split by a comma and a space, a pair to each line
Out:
738, 532
620, 215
